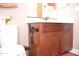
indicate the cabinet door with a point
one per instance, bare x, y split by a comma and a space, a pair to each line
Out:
34, 40
50, 43
66, 41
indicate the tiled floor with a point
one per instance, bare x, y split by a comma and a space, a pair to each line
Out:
69, 54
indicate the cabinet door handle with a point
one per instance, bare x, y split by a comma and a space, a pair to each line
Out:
33, 29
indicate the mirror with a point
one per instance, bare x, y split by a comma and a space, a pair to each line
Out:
42, 10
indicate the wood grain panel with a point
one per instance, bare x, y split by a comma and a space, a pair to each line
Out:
50, 43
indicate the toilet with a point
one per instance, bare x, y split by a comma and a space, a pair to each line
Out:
9, 40
12, 50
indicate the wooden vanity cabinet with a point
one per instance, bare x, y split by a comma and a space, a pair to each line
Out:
50, 39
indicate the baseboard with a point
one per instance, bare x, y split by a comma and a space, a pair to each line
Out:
75, 51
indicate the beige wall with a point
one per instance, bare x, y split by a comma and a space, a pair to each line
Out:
76, 27
19, 17
76, 32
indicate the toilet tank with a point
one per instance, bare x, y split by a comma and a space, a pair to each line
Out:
9, 35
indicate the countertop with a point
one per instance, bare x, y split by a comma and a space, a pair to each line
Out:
35, 20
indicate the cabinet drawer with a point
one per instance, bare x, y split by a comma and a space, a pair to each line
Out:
58, 27
52, 27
